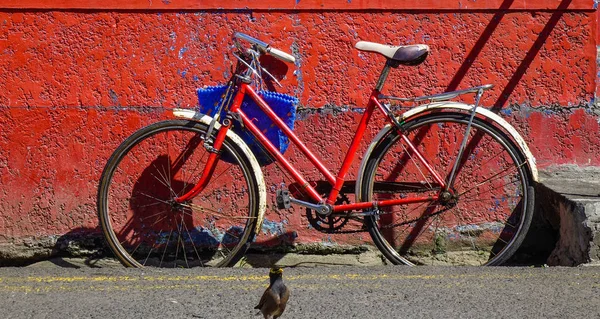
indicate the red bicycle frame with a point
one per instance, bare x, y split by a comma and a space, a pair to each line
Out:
336, 181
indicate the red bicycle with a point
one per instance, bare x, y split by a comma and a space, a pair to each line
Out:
443, 183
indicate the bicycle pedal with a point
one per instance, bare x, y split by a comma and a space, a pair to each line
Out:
283, 199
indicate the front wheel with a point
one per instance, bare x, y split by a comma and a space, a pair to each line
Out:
143, 224
483, 218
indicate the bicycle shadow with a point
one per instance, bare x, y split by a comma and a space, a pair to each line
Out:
160, 228
80, 247
269, 252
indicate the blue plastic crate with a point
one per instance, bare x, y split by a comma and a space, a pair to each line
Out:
283, 105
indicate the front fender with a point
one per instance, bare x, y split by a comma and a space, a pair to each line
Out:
262, 190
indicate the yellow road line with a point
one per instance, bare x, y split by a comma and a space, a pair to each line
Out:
41, 284
330, 277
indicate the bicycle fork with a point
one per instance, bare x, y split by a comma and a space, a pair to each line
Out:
211, 162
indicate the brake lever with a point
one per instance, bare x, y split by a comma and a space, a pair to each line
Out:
246, 64
271, 76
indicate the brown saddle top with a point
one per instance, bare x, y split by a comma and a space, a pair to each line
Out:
403, 54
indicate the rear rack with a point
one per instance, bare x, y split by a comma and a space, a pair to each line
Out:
438, 97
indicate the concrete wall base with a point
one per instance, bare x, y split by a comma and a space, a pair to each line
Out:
568, 215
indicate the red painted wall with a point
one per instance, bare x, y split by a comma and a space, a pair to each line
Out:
75, 83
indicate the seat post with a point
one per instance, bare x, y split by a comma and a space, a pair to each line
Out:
383, 76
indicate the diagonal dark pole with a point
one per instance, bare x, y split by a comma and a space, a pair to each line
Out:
521, 69
476, 50
533, 51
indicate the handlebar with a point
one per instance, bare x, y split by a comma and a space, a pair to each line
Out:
266, 47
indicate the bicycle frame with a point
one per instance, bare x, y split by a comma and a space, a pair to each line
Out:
443, 182
335, 181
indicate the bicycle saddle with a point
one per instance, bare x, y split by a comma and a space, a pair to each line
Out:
401, 54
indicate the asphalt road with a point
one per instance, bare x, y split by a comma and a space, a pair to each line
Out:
321, 292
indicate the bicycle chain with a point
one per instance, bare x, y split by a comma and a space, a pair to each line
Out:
416, 220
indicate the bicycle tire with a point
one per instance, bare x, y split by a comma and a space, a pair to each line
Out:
486, 230
142, 224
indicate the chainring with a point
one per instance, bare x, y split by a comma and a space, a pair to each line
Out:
332, 223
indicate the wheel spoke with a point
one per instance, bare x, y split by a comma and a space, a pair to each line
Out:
163, 181
153, 215
155, 198
214, 212
193, 245
159, 220
162, 258
416, 165
466, 227
149, 253
178, 241
492, 178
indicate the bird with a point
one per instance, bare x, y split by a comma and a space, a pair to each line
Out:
274, 299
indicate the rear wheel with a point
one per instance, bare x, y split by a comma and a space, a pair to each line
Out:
143, 224
481, 221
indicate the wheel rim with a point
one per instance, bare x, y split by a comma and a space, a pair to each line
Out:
146, 227
480, 222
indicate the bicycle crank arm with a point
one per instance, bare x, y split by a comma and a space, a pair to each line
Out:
321, 209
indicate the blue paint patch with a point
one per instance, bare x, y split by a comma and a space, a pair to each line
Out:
232, 236
328, 242
113, 96
182, 73
203, 236
181, 52
273, 228
526, 110
195, 78
596, 4
453, 236
507, 112
298, 73
468, 228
